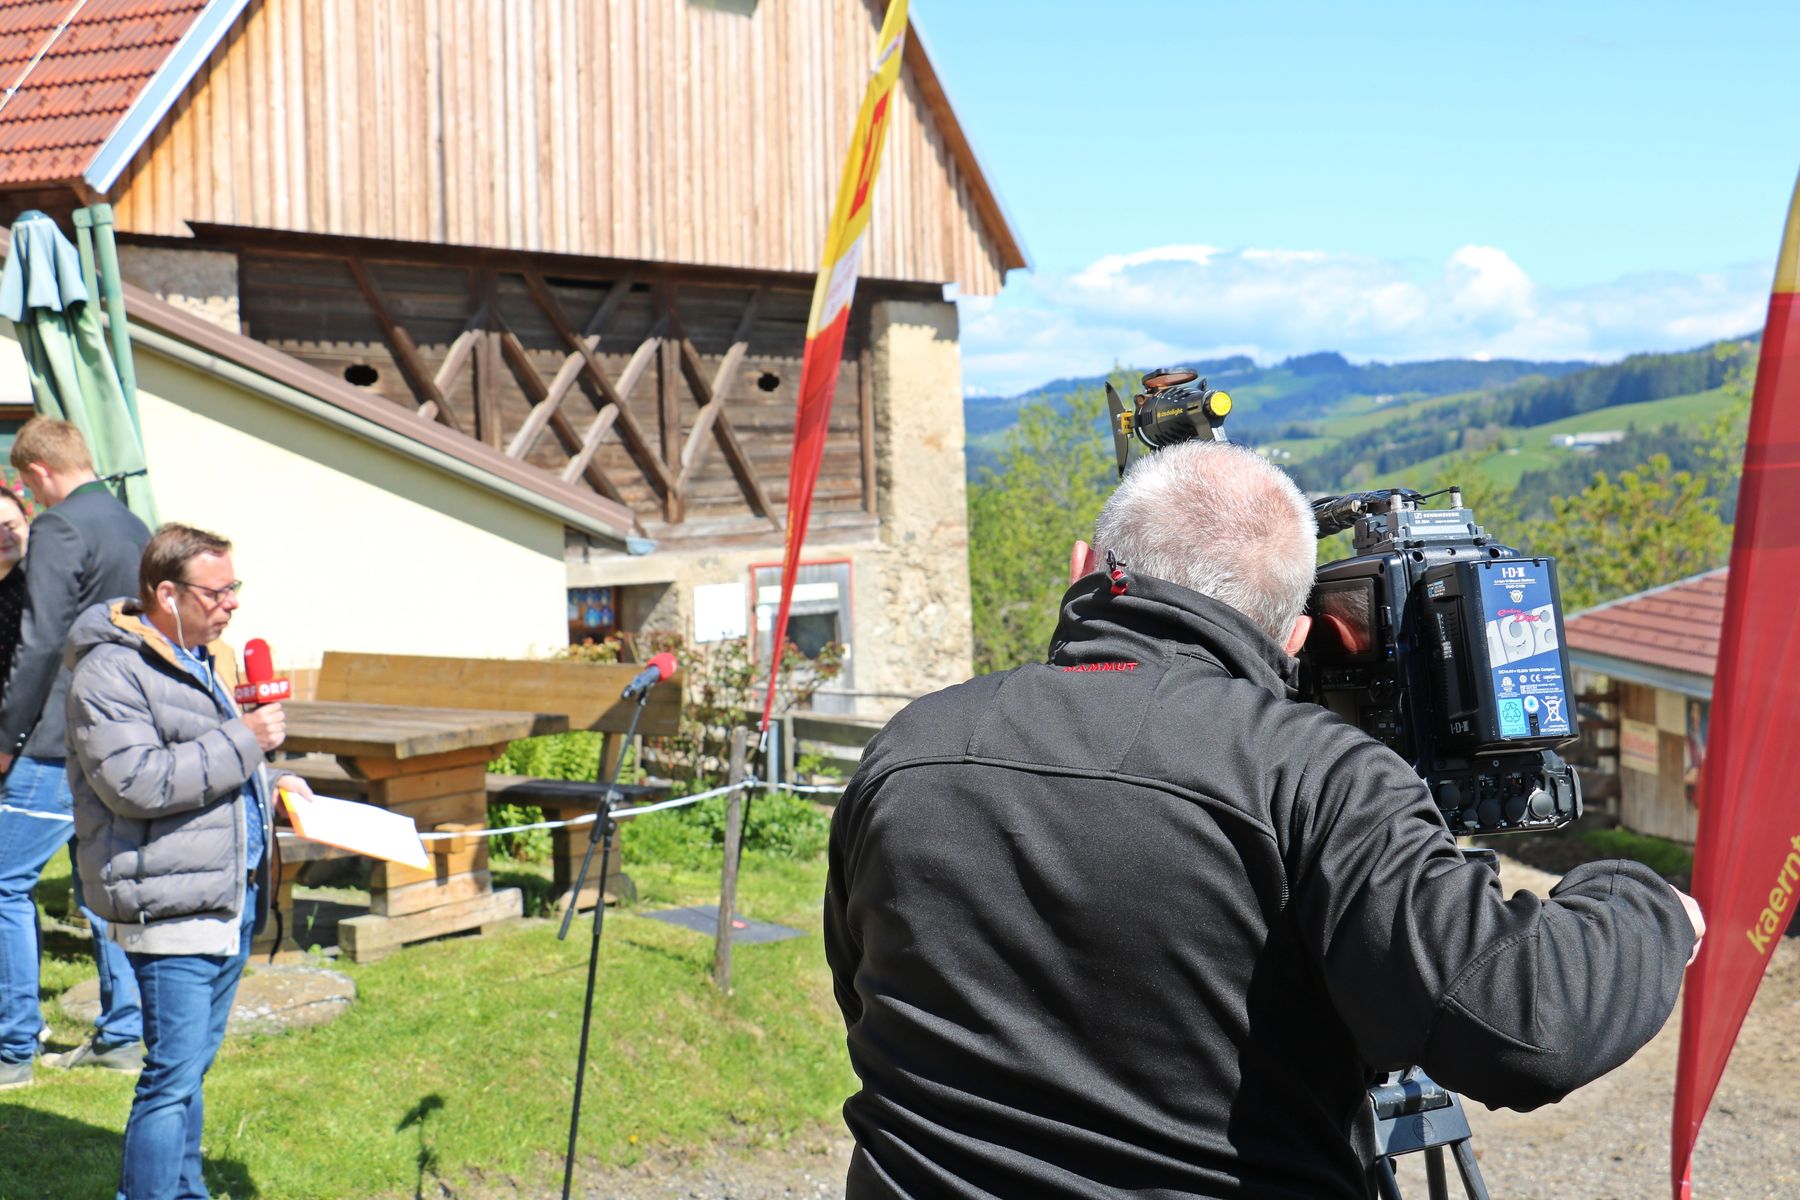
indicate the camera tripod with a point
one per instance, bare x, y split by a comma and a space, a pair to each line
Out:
1414, 1113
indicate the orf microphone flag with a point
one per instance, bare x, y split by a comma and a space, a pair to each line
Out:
1747, 852
832, 294
260, 685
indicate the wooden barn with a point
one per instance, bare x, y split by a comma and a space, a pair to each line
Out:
580, 235
1645, 664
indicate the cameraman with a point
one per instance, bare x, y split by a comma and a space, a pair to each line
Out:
1133, 921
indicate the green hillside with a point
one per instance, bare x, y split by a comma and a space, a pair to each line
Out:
1536, 450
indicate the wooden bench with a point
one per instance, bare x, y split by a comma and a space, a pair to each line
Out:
585, 694
561, 800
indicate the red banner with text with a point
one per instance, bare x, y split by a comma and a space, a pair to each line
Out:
1747, 852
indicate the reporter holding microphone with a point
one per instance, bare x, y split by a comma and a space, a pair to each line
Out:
173, 821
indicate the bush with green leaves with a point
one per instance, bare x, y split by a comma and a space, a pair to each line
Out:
780, 825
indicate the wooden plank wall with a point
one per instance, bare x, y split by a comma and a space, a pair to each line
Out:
642, 129
1657, 804
311, 308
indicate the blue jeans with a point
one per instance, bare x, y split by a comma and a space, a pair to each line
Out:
187, 1000
36, 820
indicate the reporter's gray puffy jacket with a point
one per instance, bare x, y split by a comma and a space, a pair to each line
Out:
158, 766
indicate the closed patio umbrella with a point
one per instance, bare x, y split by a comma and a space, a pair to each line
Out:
72, 376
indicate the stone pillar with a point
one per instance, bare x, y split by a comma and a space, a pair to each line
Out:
913, 616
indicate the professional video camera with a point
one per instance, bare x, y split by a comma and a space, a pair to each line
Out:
1432, 637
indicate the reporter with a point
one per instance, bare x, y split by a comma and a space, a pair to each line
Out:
1133, 921
172, 811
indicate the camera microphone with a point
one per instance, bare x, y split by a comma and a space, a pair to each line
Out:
659, 668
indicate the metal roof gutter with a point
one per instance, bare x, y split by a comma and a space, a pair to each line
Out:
333, 415
1687, 683
160, 94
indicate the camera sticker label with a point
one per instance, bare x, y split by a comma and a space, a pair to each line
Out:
1524, 650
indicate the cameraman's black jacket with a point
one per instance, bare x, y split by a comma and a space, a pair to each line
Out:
1132, 921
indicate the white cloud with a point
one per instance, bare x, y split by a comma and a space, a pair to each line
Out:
1192, 301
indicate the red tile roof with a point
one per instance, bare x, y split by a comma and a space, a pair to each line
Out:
62, 107
1675, 627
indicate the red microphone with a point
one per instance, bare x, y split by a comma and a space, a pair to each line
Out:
659, 668
260, 685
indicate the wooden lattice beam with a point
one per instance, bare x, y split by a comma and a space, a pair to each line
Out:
735, 455
419, 379
712, 401
589, 368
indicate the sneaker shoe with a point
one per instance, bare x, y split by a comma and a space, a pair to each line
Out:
14, 1075
128, 1058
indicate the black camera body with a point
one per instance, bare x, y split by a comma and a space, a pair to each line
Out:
1447, 646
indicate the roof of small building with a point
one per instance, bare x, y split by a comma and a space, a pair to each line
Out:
1670, 628
77, 73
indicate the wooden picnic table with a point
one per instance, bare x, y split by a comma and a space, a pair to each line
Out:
431, 764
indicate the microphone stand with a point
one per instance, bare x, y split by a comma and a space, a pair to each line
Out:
601, 833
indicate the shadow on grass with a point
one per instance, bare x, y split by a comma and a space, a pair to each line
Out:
48, 1157
538, 891
415, 1117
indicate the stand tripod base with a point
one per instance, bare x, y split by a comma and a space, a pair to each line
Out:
1412, 1114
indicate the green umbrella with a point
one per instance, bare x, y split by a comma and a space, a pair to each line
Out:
72, 377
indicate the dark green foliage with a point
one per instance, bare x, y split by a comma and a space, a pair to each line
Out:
1055, 470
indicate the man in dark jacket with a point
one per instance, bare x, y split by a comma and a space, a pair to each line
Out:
1133, 921
173, 827
83, 549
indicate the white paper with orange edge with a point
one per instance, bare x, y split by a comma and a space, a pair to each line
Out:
361, 828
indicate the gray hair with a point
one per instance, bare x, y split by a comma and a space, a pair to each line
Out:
1219, 520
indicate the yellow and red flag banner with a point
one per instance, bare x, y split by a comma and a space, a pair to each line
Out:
1747, 852
831, 313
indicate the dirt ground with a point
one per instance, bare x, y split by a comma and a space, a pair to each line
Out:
1609, 1141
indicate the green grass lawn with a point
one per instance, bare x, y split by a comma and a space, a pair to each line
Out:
457, 1060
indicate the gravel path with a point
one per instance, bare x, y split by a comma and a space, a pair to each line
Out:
1609, 1141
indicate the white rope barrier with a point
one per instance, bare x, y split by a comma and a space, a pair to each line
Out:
617, 813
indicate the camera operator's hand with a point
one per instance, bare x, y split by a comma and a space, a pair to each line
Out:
1697, 918
269, 724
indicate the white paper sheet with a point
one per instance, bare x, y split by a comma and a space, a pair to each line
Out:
362, 828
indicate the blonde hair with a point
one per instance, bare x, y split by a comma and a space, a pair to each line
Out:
1219, 520
56, 444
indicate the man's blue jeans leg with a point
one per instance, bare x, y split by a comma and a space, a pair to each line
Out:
187, 1000
37, 820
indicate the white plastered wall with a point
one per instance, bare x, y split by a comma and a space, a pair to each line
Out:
342, 544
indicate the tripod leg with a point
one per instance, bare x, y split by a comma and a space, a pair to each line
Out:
1384, 1179
1437, 1184
1470, 1172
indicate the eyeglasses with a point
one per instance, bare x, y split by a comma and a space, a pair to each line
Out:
216, 595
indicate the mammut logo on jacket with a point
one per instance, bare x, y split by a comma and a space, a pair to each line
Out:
1103, 666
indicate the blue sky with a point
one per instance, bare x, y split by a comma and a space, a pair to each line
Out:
1393, 181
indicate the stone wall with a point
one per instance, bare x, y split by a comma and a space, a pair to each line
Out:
201, 282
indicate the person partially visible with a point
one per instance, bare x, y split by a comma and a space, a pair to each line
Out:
1133, 922
15, 529
84, 549
173, 832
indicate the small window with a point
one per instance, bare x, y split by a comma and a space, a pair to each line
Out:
361, 375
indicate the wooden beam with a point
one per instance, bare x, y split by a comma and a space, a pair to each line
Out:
865, 407
566, 375
406, 352
713, 398
634, 370
590, 368
668, 420
735, 455
487, 365
513, 350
